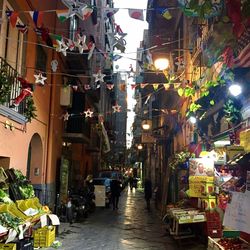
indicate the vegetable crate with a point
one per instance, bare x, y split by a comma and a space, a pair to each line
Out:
25, 244
10, 246
44, 237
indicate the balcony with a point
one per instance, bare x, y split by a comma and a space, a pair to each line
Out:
6, 107
77, 130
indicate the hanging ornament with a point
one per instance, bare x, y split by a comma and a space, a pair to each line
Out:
88, 113
180, 64
70, 44
87, 86
116, 108
75, 8
62, 47
81, 43
110, 86
99, 76
54, 65
40, 79
66, 116
75, 87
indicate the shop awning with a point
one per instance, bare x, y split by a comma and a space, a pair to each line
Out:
240, 159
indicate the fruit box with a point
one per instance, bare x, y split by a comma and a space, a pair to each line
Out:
9, 246
208, 203
44, 237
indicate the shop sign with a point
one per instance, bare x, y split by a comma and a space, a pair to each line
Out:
237, 212
147, 138
200, 186
244, 139
201, 167
100, 195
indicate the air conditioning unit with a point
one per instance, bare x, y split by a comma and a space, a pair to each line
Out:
66, 96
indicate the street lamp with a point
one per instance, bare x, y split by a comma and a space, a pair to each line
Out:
146, 124
140, 147
235, 89
161, 63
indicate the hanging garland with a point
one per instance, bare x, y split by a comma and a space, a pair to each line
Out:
30, 109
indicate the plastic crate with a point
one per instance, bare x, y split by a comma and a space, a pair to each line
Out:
44, 237
25, 244
9, 246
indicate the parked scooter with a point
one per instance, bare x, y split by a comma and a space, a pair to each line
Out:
79, 207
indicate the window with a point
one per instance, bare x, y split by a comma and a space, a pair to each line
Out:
41, 58
11, 42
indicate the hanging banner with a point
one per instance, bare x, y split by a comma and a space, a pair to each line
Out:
200, 186
201, 167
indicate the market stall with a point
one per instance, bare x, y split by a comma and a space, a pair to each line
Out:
24, 222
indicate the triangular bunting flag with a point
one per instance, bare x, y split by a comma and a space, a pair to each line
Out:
166, 86
109, 12
166, 14
12, 15
136, 14
37, 17
22, 27
86, 12
155, 86
143, 85
62, 14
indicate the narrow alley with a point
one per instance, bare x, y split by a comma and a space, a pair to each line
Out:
129, 227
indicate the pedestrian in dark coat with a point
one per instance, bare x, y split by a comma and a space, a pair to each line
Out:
115, 188
148, 192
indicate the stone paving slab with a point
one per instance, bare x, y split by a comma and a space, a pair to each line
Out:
131, 227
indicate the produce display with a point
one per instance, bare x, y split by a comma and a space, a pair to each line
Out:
9, 221
4, 197
232, 244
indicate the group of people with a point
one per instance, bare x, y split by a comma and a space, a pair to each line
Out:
116, 188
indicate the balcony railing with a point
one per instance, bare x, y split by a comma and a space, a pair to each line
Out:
14, 92
77, 130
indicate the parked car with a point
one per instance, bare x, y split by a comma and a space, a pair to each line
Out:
106, 183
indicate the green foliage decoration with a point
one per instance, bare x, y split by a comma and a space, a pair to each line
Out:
232, 111
180, 158
5, 84
30, 109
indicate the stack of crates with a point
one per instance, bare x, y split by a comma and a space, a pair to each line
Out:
213, 225
44, 237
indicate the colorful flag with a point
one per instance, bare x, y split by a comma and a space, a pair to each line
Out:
155, 86
242, 59
37, 17
136, 14
166, 14
86, 12
62, 15
109, 12
12, 15
22, 27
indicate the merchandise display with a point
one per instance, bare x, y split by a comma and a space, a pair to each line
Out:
21, 213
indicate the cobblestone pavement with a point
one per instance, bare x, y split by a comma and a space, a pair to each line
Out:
129, 227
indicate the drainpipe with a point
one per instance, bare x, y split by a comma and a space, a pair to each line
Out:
50, 126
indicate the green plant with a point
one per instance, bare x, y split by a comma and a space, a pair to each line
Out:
5, 84
232, 110
30, 109
180, 158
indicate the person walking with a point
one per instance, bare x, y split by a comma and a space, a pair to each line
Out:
115, 188
148, 192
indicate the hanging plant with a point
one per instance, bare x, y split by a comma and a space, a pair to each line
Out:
30, 109
232, 110
5, 84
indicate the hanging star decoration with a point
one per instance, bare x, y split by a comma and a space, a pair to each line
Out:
110, 86
71, 44
99, 76
40, 79
62, 47
75, 8
81, 43
180, 64
117, 40
116, 108
66, 116
88, 113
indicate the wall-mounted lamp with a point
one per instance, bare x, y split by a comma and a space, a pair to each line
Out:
161, 63
146, 124
235, 89
140, 147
